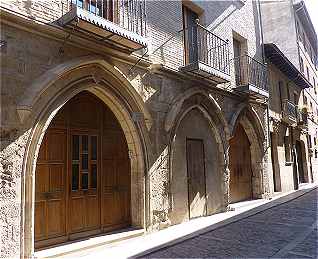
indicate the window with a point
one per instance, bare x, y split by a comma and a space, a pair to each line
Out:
287, 149
79, 3
301, 65
191, 35
237, 48
104, 9
84, 162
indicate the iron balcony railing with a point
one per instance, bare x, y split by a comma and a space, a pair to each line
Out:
249, 71
128, 14
289, 110
206, 47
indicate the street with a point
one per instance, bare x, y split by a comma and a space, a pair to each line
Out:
288, 230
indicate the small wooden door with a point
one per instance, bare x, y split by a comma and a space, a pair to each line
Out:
196, 178
240, 166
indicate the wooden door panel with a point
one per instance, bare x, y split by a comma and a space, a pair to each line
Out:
56, 215
77, 215
39, 220
93, 211
56, 145
109, 173
42, 180
196, 177
124, 208
110, 209
57, 176
88, 117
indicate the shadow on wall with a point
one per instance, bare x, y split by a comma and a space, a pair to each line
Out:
258, 40
218, 12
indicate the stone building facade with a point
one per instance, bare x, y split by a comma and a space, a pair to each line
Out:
180, 87
295, 38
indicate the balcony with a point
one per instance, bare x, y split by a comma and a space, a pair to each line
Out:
207, 55
251, 76
121, 23
289, 112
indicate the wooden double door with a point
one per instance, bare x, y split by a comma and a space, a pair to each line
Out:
240, 166
82, 174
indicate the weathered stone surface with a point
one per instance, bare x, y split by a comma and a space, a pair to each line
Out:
11, 159
29, 54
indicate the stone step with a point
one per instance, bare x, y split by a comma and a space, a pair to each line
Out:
73, 248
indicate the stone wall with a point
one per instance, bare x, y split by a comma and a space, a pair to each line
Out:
29, 55
279, 27
13, 146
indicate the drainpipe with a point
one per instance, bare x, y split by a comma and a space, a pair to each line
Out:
267, 106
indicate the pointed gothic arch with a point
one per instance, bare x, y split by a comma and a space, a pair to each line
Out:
49, 94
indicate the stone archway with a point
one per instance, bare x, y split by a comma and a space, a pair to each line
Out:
210, 136
250, 124
116, 95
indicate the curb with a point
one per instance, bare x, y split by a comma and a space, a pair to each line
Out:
268, 205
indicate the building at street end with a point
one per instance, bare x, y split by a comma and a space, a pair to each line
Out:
291, 53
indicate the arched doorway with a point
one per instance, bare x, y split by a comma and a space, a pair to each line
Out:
300, 162
240, 166
197, 176
82, 183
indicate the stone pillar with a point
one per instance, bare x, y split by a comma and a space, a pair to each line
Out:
13, 146
159, 192
267, 169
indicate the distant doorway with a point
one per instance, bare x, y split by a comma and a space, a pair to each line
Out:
275, 163
300, 165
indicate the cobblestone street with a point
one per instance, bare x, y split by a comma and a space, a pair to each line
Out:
285, 231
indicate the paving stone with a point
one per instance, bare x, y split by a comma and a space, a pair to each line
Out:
309, 245
259, 236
